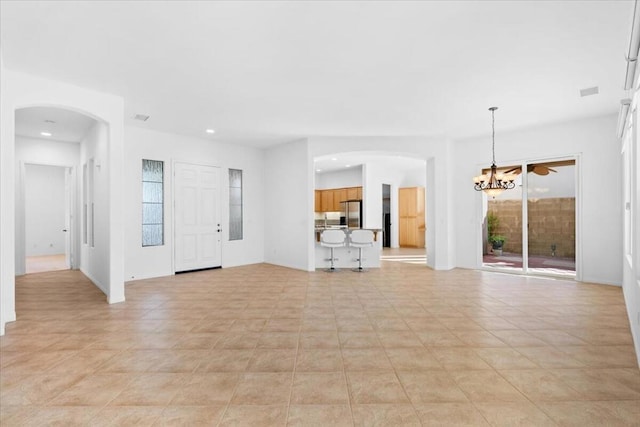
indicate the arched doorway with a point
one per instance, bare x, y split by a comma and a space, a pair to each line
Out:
23, 91
372, 171
48, 143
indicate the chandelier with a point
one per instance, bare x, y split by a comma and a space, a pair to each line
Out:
494, 183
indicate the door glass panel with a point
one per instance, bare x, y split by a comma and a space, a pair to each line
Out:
551, 211
502, 228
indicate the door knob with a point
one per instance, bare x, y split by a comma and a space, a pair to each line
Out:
65, 230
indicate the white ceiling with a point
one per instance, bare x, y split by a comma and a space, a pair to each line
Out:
63, 125
266, 72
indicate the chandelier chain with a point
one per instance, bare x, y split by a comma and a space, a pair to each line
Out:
493, 134
493, 183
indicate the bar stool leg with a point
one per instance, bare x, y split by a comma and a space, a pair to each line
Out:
332, 268
359, 269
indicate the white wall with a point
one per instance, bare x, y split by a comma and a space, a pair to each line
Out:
598, 206
289, 206
351, 177
414, 177
43, 152
7, 204
153, 261
44, 210
21, 90
631, 223
95, 254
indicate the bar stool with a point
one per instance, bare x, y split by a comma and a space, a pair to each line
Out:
333, 239
360, 239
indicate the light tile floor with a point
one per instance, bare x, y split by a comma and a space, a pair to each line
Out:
265, 345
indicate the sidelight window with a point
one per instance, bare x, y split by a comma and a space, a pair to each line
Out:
235, 204
152, 203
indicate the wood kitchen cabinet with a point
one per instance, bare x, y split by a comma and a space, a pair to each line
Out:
329, 200
411, 212
354, 193
326, 202
339, 195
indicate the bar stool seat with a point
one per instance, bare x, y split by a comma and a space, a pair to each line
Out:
333, 239
361, 239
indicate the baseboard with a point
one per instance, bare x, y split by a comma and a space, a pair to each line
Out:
96, 283
3, 322
115, 301
597, 281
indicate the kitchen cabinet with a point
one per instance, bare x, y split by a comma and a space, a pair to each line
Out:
339, 195
326, 202
352, 193
329, 200
411, 210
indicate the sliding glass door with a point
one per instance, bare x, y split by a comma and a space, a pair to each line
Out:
551, 217
503, 227
535, 222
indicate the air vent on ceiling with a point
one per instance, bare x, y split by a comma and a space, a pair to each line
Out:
141, 117
589, 91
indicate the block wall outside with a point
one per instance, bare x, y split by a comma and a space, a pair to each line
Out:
551, 222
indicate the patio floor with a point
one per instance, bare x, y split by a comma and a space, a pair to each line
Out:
540, 263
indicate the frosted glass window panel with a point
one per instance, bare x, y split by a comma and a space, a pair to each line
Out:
152, 203
235, 196
151, 192
152, 235
235, 204
235, 213
85, 202
152, 170
235, 178
152, 213
235, 229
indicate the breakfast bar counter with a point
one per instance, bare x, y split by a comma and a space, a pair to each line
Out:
347, 256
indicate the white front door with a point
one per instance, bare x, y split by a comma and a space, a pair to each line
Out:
197, 217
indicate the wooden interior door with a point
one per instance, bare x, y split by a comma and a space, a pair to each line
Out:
411, 209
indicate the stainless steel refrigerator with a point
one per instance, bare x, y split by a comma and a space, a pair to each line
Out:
351, 213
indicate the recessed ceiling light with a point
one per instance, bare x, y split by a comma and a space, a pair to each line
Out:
347, 166
318, 170
210, 131
45, 133
334, 159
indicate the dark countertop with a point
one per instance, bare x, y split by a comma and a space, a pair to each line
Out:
319, 231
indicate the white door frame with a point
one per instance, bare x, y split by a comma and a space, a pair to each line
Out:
72, 233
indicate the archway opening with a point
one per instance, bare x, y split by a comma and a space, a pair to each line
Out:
402, 236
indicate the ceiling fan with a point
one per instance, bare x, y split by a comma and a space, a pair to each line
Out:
540, 168
537, 169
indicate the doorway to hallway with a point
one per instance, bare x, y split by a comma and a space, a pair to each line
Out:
47, 217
